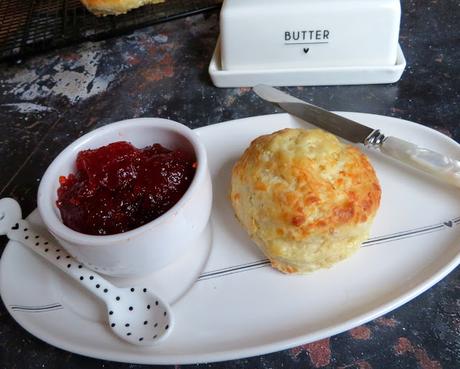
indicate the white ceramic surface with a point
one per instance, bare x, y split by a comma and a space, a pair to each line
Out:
273, 34
154, 245
305, 76
414, 244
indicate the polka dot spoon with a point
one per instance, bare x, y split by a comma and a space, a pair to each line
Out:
135, 314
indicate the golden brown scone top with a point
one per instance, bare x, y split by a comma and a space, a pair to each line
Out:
115, 7
295, 187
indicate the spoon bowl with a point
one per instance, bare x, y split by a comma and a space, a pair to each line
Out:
138, 316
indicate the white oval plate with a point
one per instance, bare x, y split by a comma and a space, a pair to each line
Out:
241, 307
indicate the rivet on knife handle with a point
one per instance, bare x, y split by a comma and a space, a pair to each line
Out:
429, 161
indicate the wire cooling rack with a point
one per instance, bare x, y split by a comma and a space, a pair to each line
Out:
32, 26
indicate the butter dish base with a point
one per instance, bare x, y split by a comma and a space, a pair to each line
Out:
319, 76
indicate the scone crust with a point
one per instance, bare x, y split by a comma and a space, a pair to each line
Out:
115, 7
305, 198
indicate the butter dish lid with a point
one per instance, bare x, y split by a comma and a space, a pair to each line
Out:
273, 34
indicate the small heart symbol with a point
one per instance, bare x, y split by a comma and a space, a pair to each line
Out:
449, 223
305, 50
16, 226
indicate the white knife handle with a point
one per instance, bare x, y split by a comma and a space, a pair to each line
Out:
440, 166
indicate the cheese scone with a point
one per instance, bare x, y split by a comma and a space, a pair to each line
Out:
115, 7
306, 199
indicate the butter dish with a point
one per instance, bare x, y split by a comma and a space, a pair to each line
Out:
307, 42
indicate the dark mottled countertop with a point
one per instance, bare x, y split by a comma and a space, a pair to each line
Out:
48, 101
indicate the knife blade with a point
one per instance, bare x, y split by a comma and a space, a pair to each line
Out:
343, 127
438, 165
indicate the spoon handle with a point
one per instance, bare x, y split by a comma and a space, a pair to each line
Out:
25, 233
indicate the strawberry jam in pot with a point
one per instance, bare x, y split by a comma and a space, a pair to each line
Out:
118, 187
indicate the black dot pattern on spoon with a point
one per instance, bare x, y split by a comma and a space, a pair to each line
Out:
70, 264
60, 254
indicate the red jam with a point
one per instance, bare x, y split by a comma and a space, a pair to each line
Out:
118, 187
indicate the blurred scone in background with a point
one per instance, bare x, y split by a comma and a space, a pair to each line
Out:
305, 198
115, 7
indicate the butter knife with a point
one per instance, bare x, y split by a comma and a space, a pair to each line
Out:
438, 165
